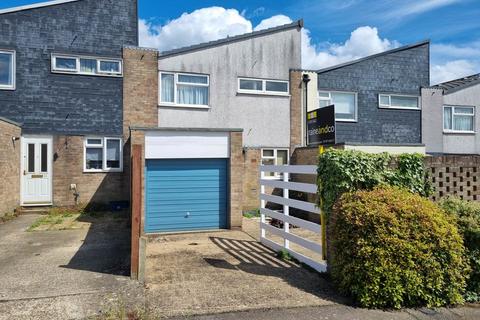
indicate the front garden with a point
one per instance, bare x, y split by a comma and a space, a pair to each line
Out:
389, 246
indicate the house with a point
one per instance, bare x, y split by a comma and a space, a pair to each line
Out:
377, 100
61, 83
449, 116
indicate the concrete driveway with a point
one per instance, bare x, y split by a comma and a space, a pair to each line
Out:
66, 274
201, 273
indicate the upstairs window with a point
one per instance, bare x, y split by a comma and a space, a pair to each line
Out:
86, 65
459, 119
103, 154
263, 86
395, 101
182, 89
345, 104
7, 70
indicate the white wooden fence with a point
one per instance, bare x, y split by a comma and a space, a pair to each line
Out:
286, 185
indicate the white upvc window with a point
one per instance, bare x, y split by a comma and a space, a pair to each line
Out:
263, 86
398, 101
275, 157
459, 119
7, 70
103, 154
85, 65
345, 104
184, 89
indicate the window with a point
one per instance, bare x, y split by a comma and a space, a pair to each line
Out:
86, 65
458, 119
263, 86
181, 89
103, 154
345, 104
7, 70
398, 101
274, 157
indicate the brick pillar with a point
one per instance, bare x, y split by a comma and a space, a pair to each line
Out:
296, 105
236, 179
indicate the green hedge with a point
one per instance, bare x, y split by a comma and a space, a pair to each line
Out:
341, 171
390, 248
468, 215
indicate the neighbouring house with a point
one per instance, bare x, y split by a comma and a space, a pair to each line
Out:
61, 83
377, 100
449, 116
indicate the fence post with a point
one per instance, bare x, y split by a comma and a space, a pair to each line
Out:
136, 190
262, 203
286, 211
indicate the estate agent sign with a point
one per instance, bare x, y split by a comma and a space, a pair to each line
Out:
321, 126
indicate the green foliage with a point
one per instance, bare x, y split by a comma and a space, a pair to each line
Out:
252, 213
467, 214
390, 248
284, 255
341, 171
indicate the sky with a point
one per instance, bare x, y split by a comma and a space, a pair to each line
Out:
335, 31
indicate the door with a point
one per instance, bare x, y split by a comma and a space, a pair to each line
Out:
186, 194
36, 172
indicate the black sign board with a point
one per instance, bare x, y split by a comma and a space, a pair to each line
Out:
321, 126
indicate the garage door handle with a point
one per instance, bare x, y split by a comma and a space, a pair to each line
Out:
187, 215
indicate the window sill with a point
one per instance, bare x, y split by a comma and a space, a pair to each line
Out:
399, 108
102, 171
459, 132
76, 73
7, 88
190, 106
266, 94
344, 120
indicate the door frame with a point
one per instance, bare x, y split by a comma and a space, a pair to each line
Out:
24, 138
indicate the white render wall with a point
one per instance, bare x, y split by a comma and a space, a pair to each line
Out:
434, 138
264, 119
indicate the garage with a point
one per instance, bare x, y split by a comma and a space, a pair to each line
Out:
187, 178
185, 194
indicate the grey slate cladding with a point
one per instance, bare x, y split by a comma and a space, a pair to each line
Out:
401, 72
45, 102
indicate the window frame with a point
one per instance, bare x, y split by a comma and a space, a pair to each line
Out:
473, 115
77, 71
175, 94
103, 146
389, 106
13, 70
277, 175
355, 119
264, 90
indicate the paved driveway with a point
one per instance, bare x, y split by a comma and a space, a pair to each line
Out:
62, 274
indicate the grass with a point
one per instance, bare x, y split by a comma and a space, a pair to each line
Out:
8, 216
120, 312
66, 218
252, 214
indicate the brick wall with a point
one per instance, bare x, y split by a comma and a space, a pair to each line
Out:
9, 166
296, 109
236, 179
95, 188
251, 186
455, 175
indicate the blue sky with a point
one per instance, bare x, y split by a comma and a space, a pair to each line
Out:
335, 30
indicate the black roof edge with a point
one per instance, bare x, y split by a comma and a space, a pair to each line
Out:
136, 128
446, 91
10, 122
402, 48
295, 24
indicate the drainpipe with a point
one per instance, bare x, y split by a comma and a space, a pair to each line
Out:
305, 80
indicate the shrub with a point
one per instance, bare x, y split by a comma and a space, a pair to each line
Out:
390, 248
468, 215
341, 171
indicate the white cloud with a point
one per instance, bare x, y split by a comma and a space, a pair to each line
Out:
413, 7
363, 41
452, 70
199, 26
274, 21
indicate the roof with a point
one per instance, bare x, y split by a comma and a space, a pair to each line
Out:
458, 84
295, 24
407, 47
134, 128
10, 121
35, 5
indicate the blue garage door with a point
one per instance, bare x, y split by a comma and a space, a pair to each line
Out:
185, 194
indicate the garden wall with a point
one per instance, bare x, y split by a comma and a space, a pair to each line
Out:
450, 174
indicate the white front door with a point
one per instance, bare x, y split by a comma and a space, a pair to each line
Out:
36, 172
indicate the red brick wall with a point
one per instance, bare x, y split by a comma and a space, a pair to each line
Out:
9, 167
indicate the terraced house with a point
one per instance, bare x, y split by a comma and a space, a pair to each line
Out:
61, 102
